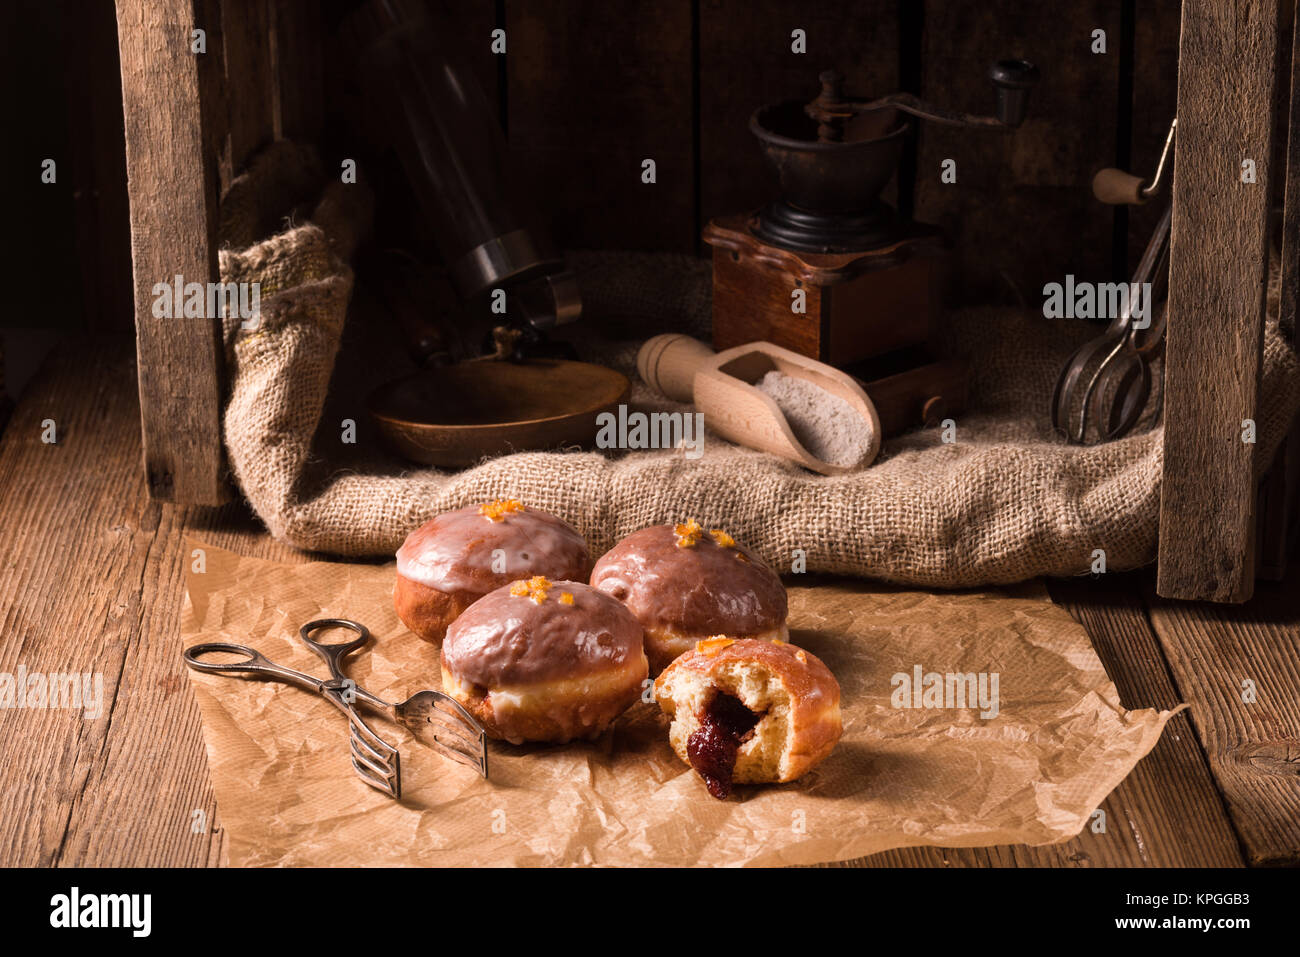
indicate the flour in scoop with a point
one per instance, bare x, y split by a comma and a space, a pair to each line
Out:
825, 425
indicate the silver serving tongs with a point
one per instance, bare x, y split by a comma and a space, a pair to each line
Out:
436, 719
1120, 385
1127, 349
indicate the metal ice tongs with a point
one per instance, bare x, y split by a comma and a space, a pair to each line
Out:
435, 718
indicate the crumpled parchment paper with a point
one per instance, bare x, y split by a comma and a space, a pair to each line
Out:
287, 795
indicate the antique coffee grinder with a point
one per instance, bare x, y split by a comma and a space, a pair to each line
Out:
830, 270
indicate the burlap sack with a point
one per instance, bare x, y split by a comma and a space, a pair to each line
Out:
1005, 502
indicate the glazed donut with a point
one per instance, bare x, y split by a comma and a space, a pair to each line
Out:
456, 558
544, 661
685, 584
749, 712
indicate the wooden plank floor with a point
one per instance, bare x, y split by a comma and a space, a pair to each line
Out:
1241, 666
92, 580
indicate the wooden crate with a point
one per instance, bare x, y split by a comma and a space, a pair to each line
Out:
191, 120
587, 90
1229, 57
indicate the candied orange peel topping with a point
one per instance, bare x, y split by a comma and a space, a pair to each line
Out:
534, 588
711, 646
722, 538
566, 598
498, 510
802, 656
688, 533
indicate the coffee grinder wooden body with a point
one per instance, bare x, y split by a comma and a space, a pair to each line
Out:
872, 313
838, 308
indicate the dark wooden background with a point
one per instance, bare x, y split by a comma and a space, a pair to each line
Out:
592, 88
589, 88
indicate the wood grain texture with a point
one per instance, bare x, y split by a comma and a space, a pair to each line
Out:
121, 789
1253, 746
79, 511
857, 305
250, 78
1279, 501
1217, 269
1170, 806
594, 89
746, 62
751, 302
168, 105
1021, 212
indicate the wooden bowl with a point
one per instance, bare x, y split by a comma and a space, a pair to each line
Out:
457, 415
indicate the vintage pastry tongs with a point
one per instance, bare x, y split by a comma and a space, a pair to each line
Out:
435, 718
1110, 401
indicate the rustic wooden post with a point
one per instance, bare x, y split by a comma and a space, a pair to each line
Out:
1218, 269
174, 113
1281, 487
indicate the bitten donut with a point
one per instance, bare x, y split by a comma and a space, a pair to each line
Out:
544, 661
749, 712
456, 558
684, 584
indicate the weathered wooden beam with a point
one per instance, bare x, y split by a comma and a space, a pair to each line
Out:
1227, 80
170, 98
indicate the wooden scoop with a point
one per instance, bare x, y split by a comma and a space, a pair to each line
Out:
723, 386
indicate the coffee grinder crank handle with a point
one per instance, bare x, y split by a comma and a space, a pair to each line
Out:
1012, 80
1115, 187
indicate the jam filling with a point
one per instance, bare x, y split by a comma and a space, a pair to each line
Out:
725, 724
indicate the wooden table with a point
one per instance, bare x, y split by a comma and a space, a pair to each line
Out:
92, 579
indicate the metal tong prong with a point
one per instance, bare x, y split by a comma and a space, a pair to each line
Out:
378, 763
458, 735
1125, 356
470, 751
